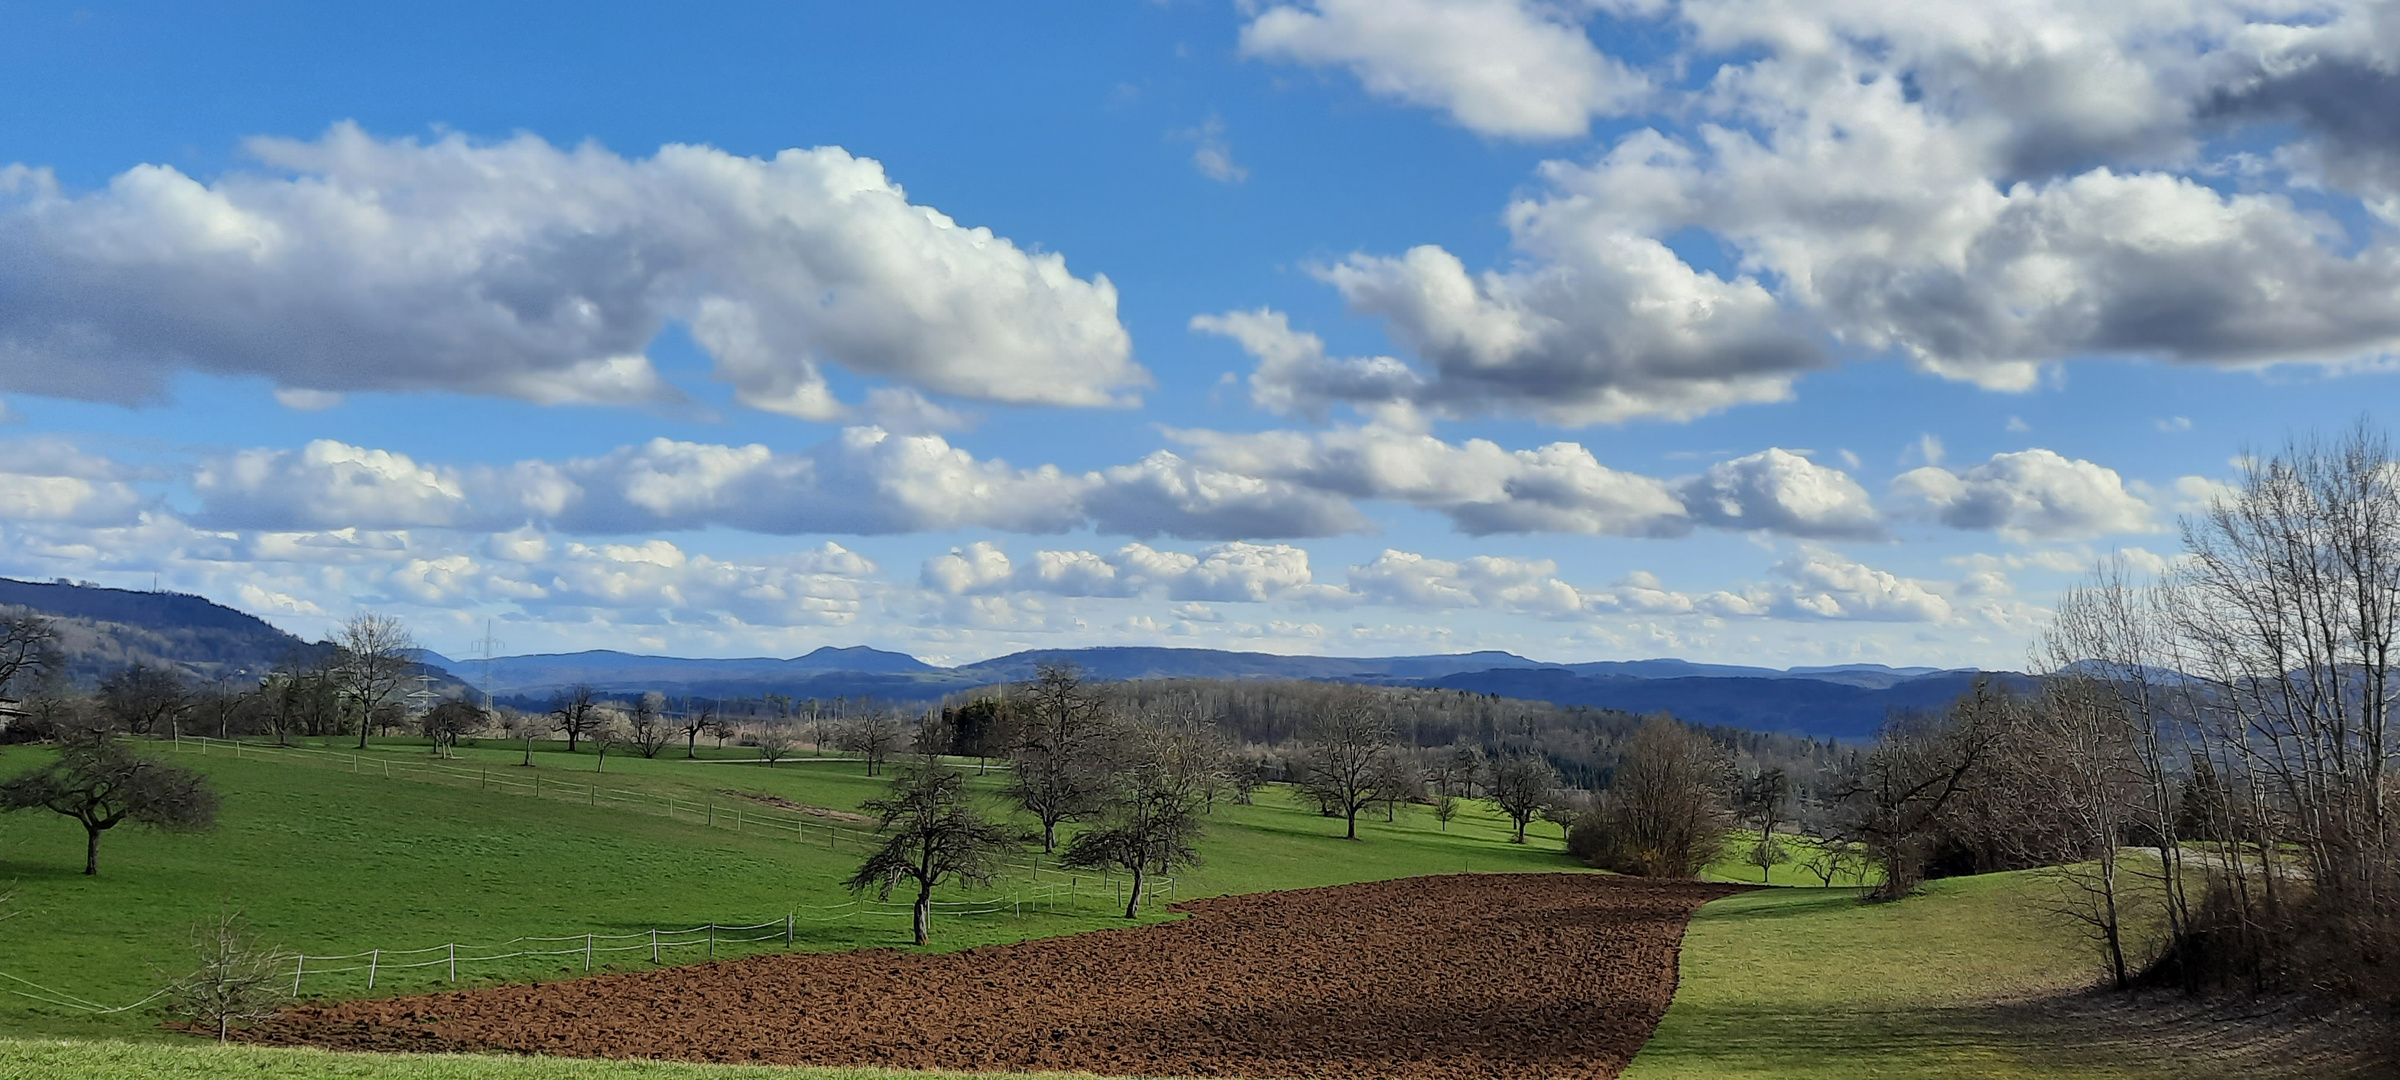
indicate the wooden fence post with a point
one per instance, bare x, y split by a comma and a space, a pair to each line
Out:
712, 941
654, 945
297, 970
787, 929
587, 952
374, 958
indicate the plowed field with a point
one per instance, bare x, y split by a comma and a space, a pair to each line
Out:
1485, 975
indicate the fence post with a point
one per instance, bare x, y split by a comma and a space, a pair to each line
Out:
654, 945
487, 778
787, 929
712, 813
374, 957
587, 952
593, 799
454, 961
297, 969
712, 941
737, 819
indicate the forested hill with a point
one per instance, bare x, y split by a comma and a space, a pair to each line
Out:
102, 629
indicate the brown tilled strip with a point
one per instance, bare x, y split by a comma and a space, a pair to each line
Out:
1472, 975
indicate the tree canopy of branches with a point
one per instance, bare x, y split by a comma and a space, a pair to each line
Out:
1150, 810
102, 783
527, 726
1895, 800
446, 723
699, 716
1061, 729
237, 978
1520, 785
1344, 753
575, 711
1666, 812
872, 737
377, 655
144, 698
646, 726
932, 835
28, 650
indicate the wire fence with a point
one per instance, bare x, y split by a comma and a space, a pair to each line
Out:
737, 813
662, 946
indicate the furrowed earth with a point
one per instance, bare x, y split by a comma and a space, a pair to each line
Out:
1469, 975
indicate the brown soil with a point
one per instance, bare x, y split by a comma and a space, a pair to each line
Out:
814, 811
1484, 975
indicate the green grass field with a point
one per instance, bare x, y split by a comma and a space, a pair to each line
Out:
1783, 982
325, 861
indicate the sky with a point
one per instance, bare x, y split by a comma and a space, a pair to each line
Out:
1793, 332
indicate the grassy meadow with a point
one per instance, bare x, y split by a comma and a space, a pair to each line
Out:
1789, 981
326, 861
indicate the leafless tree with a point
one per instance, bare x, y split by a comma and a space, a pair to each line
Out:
933, 836
1895, 798
611, 731
1345, 752
774, 741
237, 979
102, 783
1519, 785
1150, 820
527, 726
377, 656
1666, 812
1062, 728
872, 737
646, 726
446, 723
699, 715
28, 649
144, 699
575, 711
1445, 810
1453, 771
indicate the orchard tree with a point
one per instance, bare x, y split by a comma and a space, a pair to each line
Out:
144, 699
575, 711
1346, 749
1061, 730
646, 726
102, 783
872, 737
377, 655
1150, 809
699, 716
933, 836
1519, 786
237, 980
28, 650
446, 723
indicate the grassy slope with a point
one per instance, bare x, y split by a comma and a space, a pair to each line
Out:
326, 862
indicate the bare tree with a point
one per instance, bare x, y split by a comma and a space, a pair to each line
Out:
934, 836
1445, 810
1150, 820
28, 649
144, 699
237, 980
575, 711
1351, 737
446, 723
1666, 812
1061, 728
646, 726
699, 715
610, 732
774, 740
1519, 785
1895, 798
872, 737
377, 655
102, 783
527, 726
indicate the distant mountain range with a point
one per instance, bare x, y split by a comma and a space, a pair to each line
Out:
1844, 702
103, 628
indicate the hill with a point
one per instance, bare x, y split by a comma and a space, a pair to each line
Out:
102, 629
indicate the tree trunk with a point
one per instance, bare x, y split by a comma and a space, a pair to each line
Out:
1049, 836
1133, 901
924, 914
691, 744
529, 751
1351, 833
91, 850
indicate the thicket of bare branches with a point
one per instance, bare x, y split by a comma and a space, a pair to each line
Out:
1667, 813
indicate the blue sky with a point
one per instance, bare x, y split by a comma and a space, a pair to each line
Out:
1789, 333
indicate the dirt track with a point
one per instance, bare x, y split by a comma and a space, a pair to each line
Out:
1485, 975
